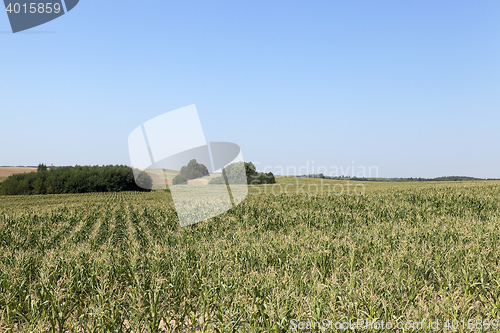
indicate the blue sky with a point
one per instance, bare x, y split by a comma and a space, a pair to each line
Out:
411, 87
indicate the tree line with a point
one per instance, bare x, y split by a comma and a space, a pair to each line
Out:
76, 179
235, 175
411, 179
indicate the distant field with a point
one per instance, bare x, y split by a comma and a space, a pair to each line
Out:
158, 177
8, 171
120, 261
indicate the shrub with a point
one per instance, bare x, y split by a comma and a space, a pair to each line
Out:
262, 178
179, 179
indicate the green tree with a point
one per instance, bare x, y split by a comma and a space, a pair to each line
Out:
194, 170
144, 180
234, 174
179, 179
250, 169
77, 179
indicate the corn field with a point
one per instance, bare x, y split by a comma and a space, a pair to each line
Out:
120, 262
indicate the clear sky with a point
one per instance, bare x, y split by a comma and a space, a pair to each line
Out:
411, 87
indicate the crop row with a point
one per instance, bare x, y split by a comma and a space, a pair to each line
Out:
121, 262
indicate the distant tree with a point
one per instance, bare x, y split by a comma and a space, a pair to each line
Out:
234, 174
38, 186
262, 178
250, 169
144, 180
41, 167
194, 170
179, 179
254, 177
77, 179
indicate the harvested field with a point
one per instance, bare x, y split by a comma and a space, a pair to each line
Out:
8, 171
